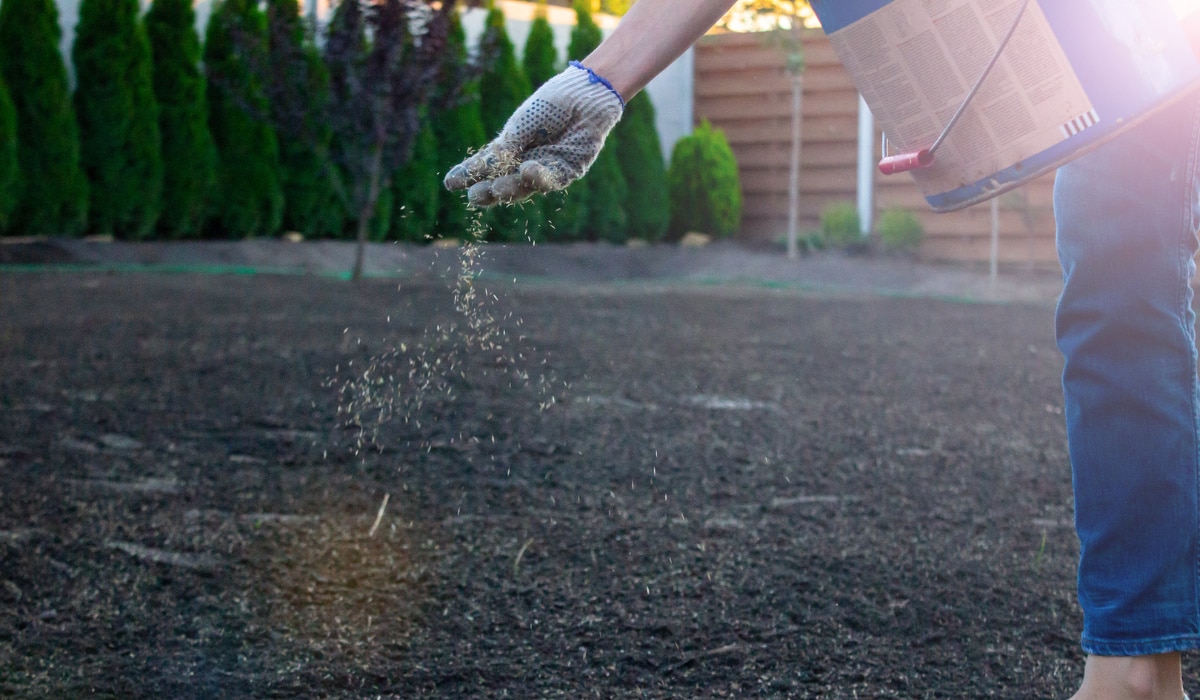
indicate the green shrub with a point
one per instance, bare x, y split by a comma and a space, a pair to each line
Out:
120, 145
250, 194
458, 129
53, 197
703, 184
300, 103
502, 88
840, 225
540, 58
8, 156
899, 229
639, 152
189, 156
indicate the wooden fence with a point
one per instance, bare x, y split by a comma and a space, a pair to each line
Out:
742, 87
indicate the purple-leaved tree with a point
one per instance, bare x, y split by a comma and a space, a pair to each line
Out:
386, 63
385, 59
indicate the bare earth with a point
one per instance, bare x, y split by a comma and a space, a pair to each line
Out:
586, 472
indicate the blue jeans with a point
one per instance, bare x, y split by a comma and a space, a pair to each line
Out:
1127, 216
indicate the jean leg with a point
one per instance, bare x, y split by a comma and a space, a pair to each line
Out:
1127, 215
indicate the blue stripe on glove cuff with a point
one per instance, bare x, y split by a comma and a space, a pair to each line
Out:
595, 77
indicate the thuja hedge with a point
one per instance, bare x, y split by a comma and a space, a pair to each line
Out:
457, 128
415, 190
540, 58
594, 207
250, 191
53, 196
639, 152
188, 154
502, 88
296, 71
114, 102
8, 156
223, 169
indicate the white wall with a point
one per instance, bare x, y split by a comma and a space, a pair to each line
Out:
671, 91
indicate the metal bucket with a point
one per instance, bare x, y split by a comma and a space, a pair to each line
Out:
1009, 90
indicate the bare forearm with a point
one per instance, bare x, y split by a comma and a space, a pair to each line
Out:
652, 35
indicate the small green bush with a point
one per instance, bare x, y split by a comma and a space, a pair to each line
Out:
899, 229
703, 184
840, 225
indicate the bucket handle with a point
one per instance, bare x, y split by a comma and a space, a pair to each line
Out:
915, 160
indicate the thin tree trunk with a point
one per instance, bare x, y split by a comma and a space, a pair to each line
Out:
794, 183
367, 212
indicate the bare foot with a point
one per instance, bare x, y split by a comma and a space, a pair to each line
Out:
1155, 677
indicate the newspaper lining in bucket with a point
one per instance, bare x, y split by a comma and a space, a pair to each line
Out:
914, 61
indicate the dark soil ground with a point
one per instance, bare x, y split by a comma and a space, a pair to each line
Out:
610, 490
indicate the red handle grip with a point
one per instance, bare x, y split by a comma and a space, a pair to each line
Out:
903, 162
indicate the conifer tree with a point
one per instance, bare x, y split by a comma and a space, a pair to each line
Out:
598, 209
416, 190
8, 156
607, 192
586, 34
457, 128
249, 193
540, 58
53, 195
120, 145
298, 90
638, 150
188, 154
503, 87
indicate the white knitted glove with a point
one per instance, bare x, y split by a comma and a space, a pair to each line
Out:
548, 143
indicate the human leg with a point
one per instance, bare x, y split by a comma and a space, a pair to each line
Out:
1153, 677
1127, 215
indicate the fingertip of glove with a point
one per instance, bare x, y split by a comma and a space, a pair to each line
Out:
453, 181
480, 194
538, 178
508, 189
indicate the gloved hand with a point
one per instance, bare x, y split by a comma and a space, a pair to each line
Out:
548, 143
